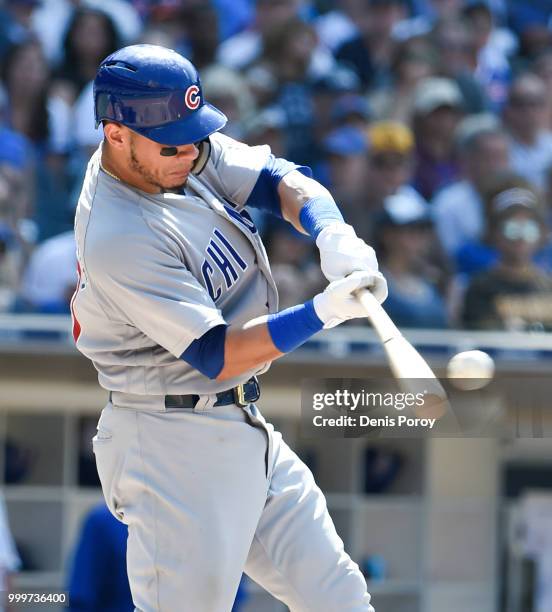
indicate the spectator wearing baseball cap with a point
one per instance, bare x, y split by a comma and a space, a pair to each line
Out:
389, 168
437, 110
344, 172
404, 230
513, 294
351, 109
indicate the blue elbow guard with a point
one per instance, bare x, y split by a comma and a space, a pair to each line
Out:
265, 193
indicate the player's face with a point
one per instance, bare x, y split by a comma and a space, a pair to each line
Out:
149, 160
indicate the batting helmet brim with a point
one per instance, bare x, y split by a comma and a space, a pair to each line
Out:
204, 122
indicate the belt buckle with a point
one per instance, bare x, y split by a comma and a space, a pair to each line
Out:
239, 396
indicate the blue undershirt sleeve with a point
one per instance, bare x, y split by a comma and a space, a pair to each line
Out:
265, 193
206, 353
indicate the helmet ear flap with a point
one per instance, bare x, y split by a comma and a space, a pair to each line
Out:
203, 157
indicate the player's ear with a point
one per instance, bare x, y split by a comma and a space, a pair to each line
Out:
115, 134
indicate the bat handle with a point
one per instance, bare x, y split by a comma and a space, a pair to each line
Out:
381, 321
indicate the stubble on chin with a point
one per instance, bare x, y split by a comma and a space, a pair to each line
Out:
147, 176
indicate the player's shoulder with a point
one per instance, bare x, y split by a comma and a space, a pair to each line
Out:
229, 151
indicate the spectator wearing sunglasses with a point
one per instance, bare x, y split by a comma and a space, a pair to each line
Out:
513, 294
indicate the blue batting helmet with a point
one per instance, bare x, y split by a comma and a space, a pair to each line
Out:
156, 92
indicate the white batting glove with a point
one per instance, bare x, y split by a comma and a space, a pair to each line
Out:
343, 252
337, 302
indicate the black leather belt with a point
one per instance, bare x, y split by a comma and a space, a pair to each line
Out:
242, 395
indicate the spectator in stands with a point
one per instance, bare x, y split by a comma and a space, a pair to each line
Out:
493, 46
543, 68
293, 262
245, 48
25, 76
335, 97
482, 149
513, 294
14, 208
49, 280
351, 110
287, 55
455, 47
15, 22
338, 25
52, 18
388, 171
345, 174
15, 178
531, 21
200, 22
434, 10
229, 91
370, 53
268, 127
90, 37
438, 108
411, 64
526, 119
480, 254
45, 121
403, 245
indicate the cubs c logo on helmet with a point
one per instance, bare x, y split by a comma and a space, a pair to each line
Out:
192, 99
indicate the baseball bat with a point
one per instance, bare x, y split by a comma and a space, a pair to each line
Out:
404, 360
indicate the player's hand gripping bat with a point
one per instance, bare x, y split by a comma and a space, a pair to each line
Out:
406, 363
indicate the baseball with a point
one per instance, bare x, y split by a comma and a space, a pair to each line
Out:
470, 370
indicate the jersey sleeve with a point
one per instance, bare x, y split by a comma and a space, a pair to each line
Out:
234, 167
142, 281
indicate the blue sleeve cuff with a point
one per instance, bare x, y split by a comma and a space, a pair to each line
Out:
265, 193
317, 213
293, 326
206, 353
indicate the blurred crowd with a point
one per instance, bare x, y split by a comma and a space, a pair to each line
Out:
429, 120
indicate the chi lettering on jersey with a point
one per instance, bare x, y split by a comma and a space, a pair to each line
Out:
221, 256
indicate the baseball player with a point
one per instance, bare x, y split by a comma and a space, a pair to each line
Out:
177, 309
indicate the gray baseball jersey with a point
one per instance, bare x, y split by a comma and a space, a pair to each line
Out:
158, 271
